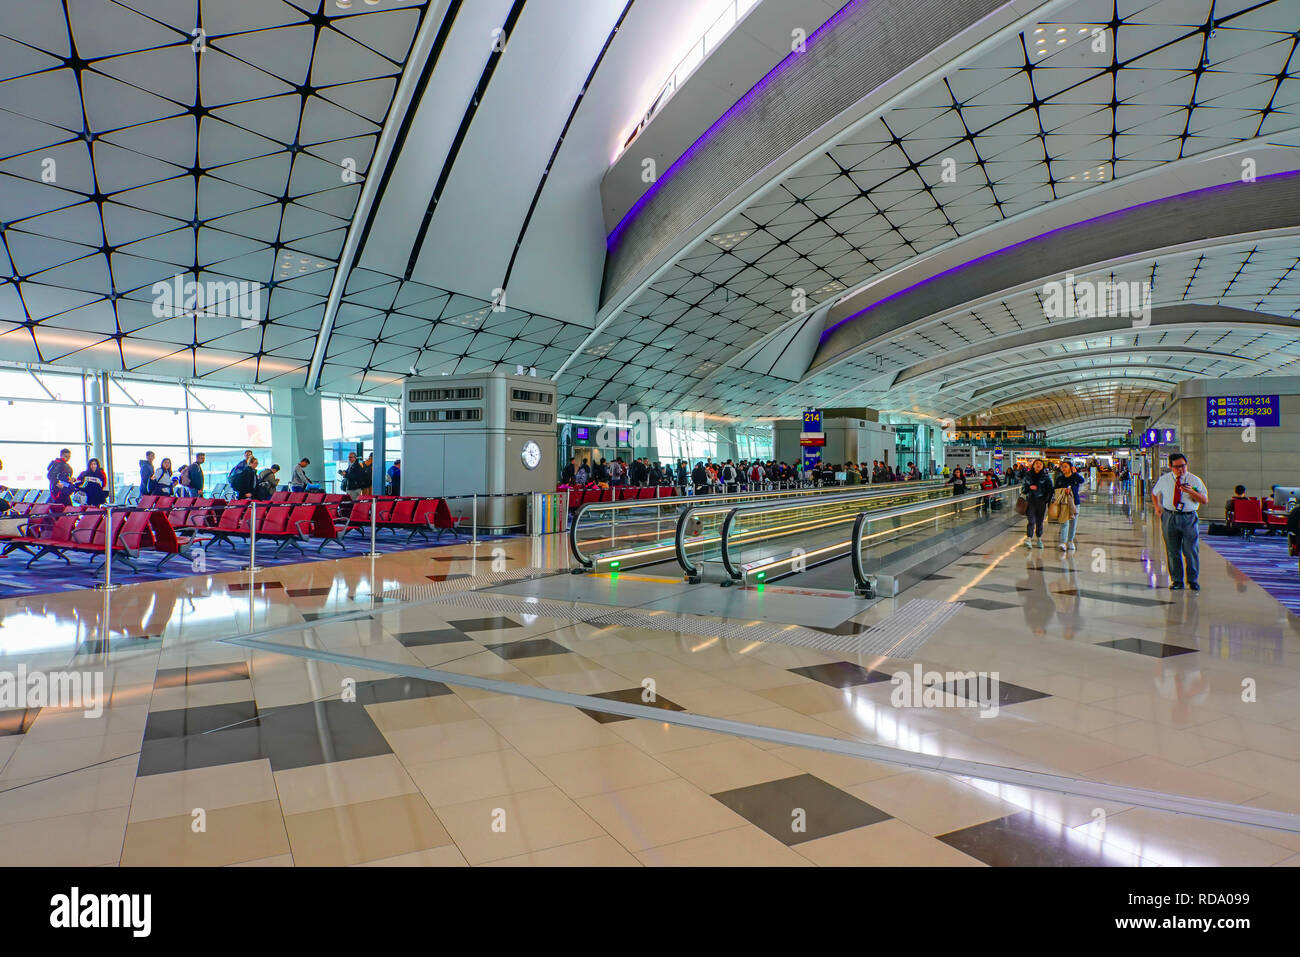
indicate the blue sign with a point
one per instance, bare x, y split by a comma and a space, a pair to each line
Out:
811, 456
1232, 411
812, 420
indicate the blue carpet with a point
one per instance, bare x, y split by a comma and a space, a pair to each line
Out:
1264, 558
51, 574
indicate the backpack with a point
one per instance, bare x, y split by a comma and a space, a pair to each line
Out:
756, 474
729, 474
232, 477
581, 475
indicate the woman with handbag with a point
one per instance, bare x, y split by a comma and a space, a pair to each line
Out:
1035, 492
1067, 498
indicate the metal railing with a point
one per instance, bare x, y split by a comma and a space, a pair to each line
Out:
922, 522
762, 526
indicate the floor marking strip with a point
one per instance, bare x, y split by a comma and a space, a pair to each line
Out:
1037, 780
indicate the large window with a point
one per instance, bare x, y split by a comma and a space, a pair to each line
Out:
692, 444
347, 421
43, 411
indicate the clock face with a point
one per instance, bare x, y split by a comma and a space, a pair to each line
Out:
531, 455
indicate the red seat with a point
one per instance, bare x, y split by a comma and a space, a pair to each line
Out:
297, 498
443, 520
280, 495
314, 498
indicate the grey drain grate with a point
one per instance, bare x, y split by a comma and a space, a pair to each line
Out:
898, 636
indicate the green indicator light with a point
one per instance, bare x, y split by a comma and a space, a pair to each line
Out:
761, 575
614, 564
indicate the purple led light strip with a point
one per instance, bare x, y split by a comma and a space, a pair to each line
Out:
1083, 222
740, 104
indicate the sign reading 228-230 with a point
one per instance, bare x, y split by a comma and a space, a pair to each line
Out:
1232, 411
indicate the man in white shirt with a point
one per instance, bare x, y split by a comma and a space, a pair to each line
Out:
1177, 495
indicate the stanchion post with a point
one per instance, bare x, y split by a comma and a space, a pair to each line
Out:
107, 583
474, 519
252, 566
374, 525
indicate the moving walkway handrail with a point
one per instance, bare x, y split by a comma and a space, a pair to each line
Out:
867, 492
860, 578
675, 499
696, 502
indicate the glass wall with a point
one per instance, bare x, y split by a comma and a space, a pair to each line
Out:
44, 410
695, 445
754, 444
347, 421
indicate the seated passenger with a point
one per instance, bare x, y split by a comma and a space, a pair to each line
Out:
1239, 492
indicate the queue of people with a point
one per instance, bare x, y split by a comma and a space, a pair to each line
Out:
707, 476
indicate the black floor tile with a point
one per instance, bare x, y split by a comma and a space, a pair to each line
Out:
629, 696
435, 636
255, 586
1152, 649
1123, 599
1005, 589
530, 648
844, 628
775, 806
1008, 693
985, 604
163, 755
309, 592
318, 615
1026, 840
447, 578
200, 674
301, 735
493, 623
841, 674
398, 689
180, 722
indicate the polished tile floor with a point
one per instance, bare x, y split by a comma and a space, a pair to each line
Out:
212, 753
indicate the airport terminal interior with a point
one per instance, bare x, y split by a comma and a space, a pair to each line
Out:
603, 433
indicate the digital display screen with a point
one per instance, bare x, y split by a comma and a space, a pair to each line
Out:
1232, 411
581, 433
624, 437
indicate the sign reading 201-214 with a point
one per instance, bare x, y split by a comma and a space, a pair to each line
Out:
1232, 411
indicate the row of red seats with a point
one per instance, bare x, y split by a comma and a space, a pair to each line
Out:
394, 513
579, 497
58, 530
1251, 514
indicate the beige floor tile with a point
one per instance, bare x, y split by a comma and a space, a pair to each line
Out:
931, 802
587, 681
201, 695
1183, 840
595, 852
660, 813
279, 860
245, 832
887, 844
840, 770
445, 856
580, 773
1264, 772
474, 776
368, 831
96, 788
1187, 748
808, 697
727, 764
178, 793
1251, 735
510, 825
574, 731
336, 783
75, 840
720, 700
1159, 775
737, 847
35, 758
53, 725
658, 736
419, 712
437, 741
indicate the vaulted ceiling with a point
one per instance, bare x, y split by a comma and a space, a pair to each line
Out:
234, 141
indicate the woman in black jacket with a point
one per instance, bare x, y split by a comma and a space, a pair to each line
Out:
1037, 491
94, 483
